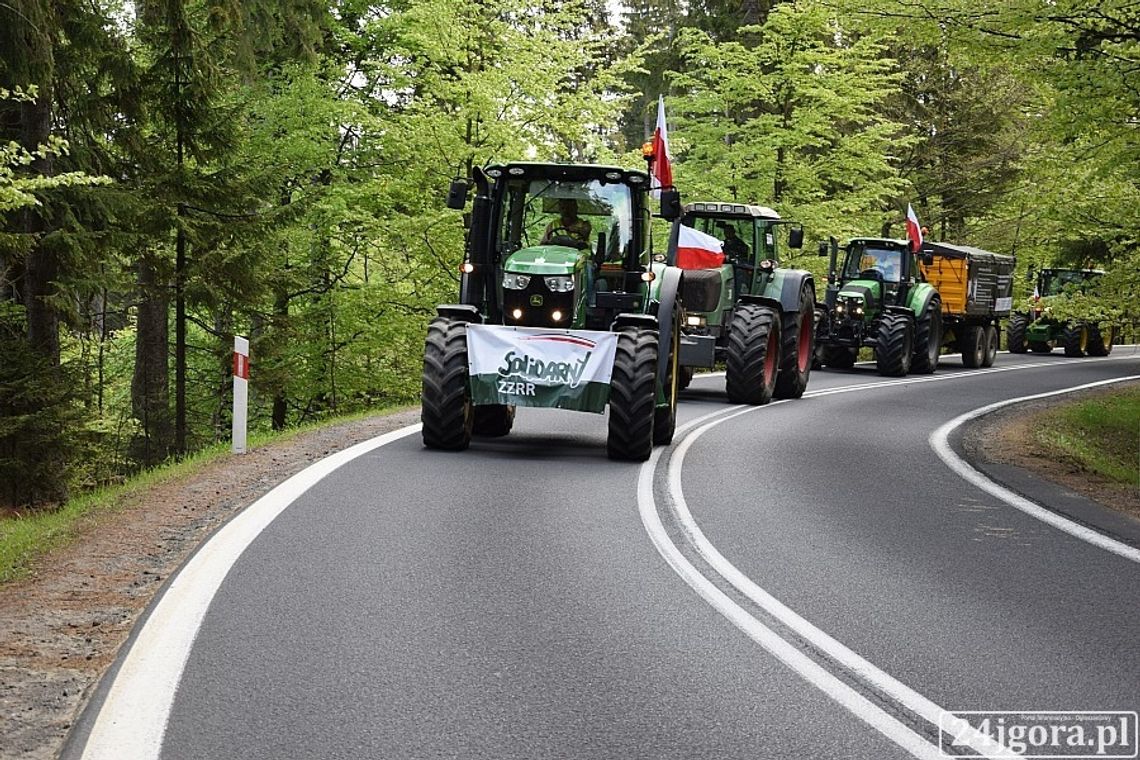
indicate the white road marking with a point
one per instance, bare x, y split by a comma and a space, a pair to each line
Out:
940, 442
132, 719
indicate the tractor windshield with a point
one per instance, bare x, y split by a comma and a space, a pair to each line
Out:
735, 234
1054, 283
861, 258
576, 214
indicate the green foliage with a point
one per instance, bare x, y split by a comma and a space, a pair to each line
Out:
1099, 434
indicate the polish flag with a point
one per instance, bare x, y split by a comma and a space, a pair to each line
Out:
662, 166
913, 230
696, 250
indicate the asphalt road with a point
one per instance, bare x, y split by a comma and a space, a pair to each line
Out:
509, 602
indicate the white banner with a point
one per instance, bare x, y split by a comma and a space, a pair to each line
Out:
534, 366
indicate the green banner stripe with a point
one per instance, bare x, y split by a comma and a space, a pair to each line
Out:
492, 389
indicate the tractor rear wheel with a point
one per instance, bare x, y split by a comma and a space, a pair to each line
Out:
665, 417
972, 343
840, 357
798, 347
753, 355
1015, 333
928, 339
633, 393
991, 346
446, 409
493, 420
1075, 340
895, 345
1100, 340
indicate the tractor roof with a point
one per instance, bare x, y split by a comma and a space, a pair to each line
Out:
568, 172
962, 251
885, 242
731, 209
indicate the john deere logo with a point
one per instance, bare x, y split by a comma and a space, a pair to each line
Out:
536, 300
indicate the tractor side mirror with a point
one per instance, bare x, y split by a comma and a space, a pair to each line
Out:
670, 203
796, 237
457, 194
928, 259
823, 248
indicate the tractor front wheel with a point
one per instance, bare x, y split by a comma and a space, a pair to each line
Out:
493, 420
928, 339
1015, 334
840, 357
1100, 340
446, 410
1075, 340
753, 355
633, 394
798, 348
895, 345
665, 416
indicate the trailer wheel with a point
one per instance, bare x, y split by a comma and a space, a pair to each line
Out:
991, 346
1075, 340
895, 345
798, 348
928, 339
633, 394
684, 377
840, 357
1100, 341
493, 420
753, 355
1015, 333
446, 409
972, 343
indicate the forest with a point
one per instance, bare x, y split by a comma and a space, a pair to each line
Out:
177, 172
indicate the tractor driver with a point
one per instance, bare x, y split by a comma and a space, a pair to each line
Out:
568, 224
735, 248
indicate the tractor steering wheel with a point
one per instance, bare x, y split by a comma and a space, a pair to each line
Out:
566, 239
870, 274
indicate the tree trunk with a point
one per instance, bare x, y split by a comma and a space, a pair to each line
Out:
150, 384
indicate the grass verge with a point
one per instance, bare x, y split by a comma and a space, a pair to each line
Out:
1100, 434
27, 536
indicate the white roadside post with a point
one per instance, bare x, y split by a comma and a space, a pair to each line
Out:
241, 392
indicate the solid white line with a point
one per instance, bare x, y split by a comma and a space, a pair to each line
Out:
132, 719
940, 442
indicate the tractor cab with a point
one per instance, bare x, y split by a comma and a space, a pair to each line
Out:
555, 245
875, 273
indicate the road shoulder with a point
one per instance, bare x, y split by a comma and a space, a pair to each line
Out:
62, 626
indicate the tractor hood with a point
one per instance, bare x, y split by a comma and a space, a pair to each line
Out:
546, 260
869, 290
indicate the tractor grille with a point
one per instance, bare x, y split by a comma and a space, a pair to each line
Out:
540, 314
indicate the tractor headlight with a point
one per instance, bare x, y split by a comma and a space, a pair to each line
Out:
839, 307
562, 283
513, 281
696, 320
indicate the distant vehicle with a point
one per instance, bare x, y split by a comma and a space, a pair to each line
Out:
1037, 331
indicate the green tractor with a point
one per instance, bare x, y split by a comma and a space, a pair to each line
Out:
740, 306
1037, 331
558, 307
880, 300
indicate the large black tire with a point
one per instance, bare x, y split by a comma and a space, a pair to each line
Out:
665, 417
1100, 340
493, 420
798, 347
753, 359
1074, 339
992, 340
1038, 347
633, 393
1015, 334
972, 344
840, 357
446, 411
895, 345
927, 339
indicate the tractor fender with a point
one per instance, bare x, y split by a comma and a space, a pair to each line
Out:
906, 311
668, 296
922, 298
460, 312
786, 286
773, 303
633, 319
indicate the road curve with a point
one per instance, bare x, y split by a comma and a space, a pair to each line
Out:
508, 602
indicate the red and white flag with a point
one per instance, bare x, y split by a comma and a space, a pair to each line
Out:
662, 166
696, 250
913, 230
